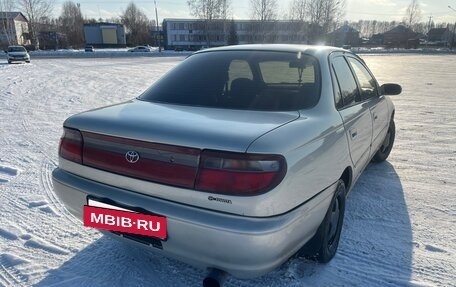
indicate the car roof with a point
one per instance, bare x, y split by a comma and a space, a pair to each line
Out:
308, 49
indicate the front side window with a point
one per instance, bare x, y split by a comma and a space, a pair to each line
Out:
366, 82
251, 80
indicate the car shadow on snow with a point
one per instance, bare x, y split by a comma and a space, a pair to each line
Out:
108, 262
376, 243
375, 250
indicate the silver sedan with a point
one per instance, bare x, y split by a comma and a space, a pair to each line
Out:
236, 160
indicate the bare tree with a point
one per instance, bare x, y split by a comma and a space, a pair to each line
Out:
412, 14
233, 38
326, 13
299, 15
137, 24
225, 9
264, 10
224, 14
7, 27
324, 16
299, 10
35, 11
72, 23
208, 11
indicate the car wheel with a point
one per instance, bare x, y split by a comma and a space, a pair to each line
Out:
323, 246
387, 145
27, 61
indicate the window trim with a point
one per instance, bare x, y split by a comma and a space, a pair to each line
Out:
347, 55
344, 106
356, 77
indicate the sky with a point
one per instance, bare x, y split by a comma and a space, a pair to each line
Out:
387, 10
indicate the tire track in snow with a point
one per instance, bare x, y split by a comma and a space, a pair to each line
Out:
7, 173
434, 271
368, 268
10, 276
46, 183
46, 149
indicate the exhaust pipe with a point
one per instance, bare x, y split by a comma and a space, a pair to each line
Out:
215, 278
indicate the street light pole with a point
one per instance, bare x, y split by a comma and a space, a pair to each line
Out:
158, 27
454, 29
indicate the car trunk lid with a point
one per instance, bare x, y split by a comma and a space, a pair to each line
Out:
167, 138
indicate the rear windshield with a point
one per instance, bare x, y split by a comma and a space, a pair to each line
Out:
16, 49
251, 80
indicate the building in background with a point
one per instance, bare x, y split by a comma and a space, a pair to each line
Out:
344, 36
440, 37
13, 29
191, 34
105, 35
401, 37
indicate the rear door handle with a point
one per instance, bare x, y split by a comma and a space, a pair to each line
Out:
353, 133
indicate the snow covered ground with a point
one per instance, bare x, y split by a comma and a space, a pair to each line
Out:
400, 225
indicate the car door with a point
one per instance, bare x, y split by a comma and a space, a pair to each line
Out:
355, 113
377, 103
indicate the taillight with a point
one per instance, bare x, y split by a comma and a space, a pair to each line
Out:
71, 145
239, 173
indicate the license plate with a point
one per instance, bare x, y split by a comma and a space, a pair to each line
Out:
114, 218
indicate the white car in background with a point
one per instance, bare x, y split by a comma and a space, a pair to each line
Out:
140, 49
17, 54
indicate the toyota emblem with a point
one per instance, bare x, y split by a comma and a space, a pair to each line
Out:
132, 156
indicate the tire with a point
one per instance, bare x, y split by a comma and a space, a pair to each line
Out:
27, 61
323, 246
387, 145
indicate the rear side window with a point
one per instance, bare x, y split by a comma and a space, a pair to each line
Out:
347, 83
251, 80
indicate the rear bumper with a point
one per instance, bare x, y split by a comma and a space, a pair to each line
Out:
245, 247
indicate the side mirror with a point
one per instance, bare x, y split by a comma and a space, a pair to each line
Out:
390, 89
